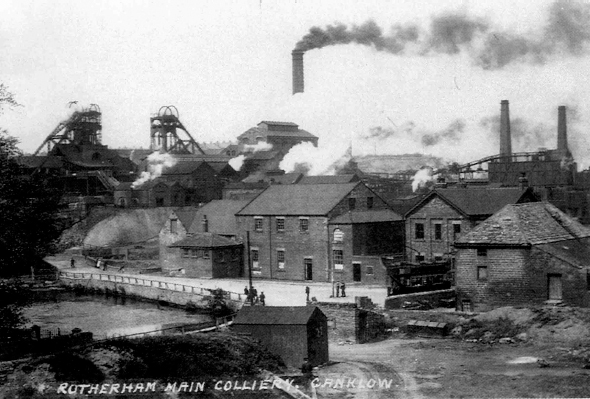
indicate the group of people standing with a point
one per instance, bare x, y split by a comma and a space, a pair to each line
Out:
253, 297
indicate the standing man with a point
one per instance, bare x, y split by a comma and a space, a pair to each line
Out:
307, 293
73, 263
254, 294
262, 298
343, 288
246, 292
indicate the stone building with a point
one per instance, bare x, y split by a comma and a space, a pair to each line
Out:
217, 216
525, 254
207, 255
293, 333
302, 232
438, 219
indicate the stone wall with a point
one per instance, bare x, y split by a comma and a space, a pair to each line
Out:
432, 297
516, 276
157, 292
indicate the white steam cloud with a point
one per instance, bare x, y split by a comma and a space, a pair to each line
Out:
260, 146
156, 164
310, 160
421, 178
237, 162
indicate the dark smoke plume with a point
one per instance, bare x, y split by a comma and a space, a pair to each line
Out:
368, 34
450, 31
451, 134
567, 31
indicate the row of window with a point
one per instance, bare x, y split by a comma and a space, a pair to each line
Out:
352, 203
338, 256
436, 231
280, 224
254, 256
195, 253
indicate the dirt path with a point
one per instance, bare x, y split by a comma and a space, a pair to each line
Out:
444, 368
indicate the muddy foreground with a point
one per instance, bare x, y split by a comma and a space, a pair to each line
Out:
448, 368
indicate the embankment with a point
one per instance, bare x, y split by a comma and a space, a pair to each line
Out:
148, 289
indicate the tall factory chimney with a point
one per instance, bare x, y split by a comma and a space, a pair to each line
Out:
298, 83
505, 137
562, 148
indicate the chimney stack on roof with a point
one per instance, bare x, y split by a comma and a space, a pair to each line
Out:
562, 131
505, 136
298, 82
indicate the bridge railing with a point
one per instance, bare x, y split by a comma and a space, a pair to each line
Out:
145, 282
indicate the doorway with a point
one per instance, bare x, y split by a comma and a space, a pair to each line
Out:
555, 288
308, 268
356, 272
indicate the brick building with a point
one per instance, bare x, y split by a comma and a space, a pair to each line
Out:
207, 255
525, 254
217, 216
282, 135
320, 232
438, 219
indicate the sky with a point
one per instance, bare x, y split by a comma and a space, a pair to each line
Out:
385, 76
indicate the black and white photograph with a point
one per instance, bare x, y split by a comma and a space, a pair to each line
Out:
306, 199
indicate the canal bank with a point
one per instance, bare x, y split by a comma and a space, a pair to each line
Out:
163, 292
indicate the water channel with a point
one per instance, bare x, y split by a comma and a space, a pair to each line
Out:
106, 316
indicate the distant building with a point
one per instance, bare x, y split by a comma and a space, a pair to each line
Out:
281, 135
525, 254
293, 333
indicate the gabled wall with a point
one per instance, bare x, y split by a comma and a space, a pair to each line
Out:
516, 277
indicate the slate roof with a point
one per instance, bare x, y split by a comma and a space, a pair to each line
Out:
298, 199
220, 216
278, 123
526, 224
34, 161
275, 315
477, 201
336, 179
370, 216
287, 178
182, 168
574, 252
205, 240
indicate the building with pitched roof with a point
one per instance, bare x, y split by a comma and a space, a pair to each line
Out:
293, 333
207, 255
282, 135
320, 232
217, 216
444, 214
525, 254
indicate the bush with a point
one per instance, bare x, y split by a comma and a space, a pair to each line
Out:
69, 367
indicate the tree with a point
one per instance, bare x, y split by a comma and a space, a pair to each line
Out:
29, 207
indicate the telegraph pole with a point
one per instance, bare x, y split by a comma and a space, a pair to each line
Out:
249, 266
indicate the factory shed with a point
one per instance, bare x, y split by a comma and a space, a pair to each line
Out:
293, 333
525, 254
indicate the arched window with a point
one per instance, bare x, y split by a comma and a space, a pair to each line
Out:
338, 235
